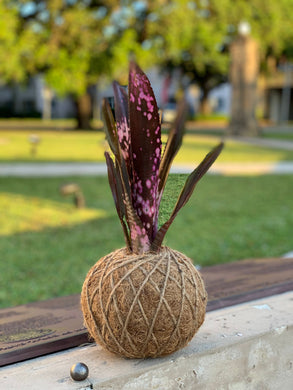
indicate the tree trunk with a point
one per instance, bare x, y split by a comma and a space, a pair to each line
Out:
205, 107
47, 102
83, 111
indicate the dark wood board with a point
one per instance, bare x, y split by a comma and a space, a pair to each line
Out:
40, 328
45, 327
242, 281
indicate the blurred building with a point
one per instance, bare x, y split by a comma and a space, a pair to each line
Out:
220, 99
36, 100
33, 100
20, 100
276, 93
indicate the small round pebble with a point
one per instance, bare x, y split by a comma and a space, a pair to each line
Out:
79, 371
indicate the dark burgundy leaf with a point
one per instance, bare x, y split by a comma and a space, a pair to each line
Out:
117, 192
146, 148
187, 191
138, 235
173, 144
135, 234
110, 128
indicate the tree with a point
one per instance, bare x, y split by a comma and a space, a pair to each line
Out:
72, 50
80, 43
16, 45
191, 36
77, 43
195, 36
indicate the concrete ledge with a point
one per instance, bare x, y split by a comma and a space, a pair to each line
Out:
243, 347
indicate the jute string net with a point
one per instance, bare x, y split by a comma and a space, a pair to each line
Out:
147, 305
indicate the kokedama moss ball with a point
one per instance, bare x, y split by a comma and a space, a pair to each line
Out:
142, 302
146, 305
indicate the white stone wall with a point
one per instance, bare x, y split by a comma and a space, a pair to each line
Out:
243, 347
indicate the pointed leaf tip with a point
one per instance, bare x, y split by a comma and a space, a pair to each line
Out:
110, 128
173, 144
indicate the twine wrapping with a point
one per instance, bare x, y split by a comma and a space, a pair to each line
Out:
146, 305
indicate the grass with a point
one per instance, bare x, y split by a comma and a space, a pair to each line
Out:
194, 146
53, 146
90, 146
47, 246
279, 135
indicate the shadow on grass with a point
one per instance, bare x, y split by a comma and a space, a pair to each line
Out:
54, 261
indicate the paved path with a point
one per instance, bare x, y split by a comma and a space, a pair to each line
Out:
52, 169
93, 169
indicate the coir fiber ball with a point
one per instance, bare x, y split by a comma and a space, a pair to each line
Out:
146, 305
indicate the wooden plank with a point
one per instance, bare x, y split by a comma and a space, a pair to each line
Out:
40, 328
233, 283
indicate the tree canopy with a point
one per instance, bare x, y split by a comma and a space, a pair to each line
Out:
17, 44
194, 36
76, 43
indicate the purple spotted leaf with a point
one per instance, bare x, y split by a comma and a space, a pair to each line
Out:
138, 236
187, 191
112, 137
122, 124
134, 233
139, 239
145, 133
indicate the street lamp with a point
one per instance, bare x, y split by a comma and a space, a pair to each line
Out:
244, 28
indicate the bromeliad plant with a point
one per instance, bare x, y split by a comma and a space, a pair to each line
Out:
144, 300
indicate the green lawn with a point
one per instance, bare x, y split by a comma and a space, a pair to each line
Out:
47, 246
90, 146
284, 136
